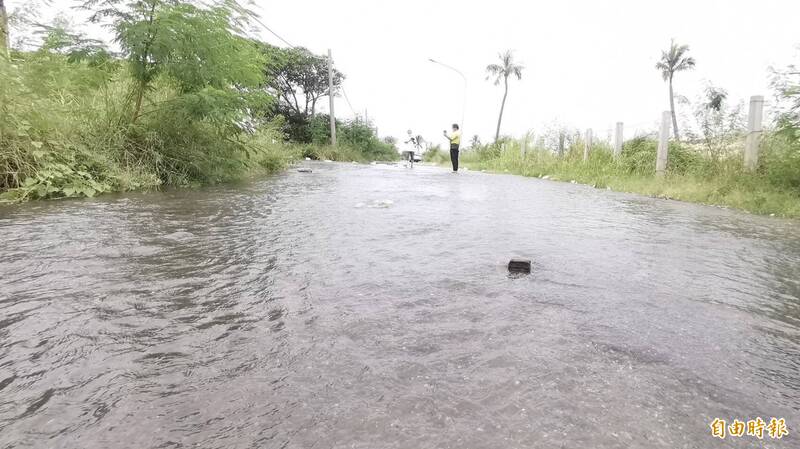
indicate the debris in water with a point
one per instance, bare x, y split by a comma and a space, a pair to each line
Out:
304, 170
377, 204
180, 236
519, 266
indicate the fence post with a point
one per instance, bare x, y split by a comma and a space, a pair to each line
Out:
524, 147
663, 144
587, 145
753, 132
618, 140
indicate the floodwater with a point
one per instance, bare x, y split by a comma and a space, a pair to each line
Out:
369, 307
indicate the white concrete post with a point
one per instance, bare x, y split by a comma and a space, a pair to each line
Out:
587, 145
753, 132
618, 141
663, 144
524, 147
331, 95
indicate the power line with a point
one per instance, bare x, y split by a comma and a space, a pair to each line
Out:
292, 46
348, 100
273, 33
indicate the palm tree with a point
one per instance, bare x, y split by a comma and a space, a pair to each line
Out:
501, 72
674, 60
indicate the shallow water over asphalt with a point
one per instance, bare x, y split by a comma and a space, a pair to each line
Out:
369, 307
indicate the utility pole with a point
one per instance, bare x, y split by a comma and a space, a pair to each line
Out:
663, 144
618, 140
330, 95
4, 39
753, 132
587, 145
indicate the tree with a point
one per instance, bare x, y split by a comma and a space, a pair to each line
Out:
672, 61
501, 72
196, 46
4, 43
299, 79
720, 124
786, 83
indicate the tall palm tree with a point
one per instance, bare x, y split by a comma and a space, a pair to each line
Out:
672, 61
501, 72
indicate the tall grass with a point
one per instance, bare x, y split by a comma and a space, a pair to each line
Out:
65, 132
773, 189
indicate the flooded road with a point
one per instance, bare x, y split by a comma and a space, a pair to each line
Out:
369, 307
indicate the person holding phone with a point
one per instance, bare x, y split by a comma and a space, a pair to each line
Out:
455, 142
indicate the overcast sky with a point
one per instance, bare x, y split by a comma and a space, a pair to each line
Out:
588, 63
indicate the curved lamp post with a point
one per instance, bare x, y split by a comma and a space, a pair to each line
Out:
464, 103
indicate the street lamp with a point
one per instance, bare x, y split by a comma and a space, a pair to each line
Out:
464, 103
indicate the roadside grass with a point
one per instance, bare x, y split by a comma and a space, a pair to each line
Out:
435, 155
771, 190
66, 131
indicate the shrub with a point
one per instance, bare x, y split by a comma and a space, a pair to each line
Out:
780, 161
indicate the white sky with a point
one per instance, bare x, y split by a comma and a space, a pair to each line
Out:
589, 63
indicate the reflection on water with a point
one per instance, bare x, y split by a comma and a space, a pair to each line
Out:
287, 313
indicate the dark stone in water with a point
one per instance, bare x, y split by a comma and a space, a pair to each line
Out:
304, 170
519, 266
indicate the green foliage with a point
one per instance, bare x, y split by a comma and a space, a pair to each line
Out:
721, 126
356, 141
639, 157
69, 127
360, 135
196, 47
436, 155
674, 60
299, 78
787, 87
773, 189
780, 161
319, 128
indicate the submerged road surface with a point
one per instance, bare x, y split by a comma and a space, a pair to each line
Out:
369, 307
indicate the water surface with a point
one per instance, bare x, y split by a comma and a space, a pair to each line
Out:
369, 307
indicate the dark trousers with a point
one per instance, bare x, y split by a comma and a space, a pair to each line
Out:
454, 156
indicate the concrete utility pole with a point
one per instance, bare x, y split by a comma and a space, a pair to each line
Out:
5, 44
330, 91
753, 132
587, 145
524, 147
663, 143
618, 141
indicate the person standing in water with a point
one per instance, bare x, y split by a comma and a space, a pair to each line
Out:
455, 142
